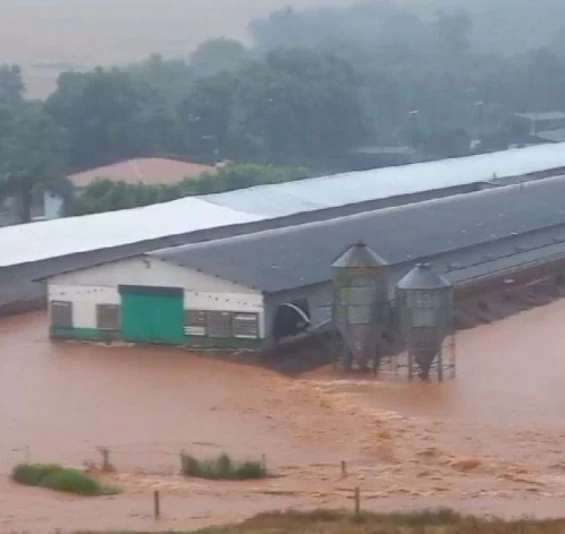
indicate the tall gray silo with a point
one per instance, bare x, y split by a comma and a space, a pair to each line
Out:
425, 306
360, 279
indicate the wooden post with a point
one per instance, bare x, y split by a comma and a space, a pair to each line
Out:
181, 457
156, 505
357, 501
343, 469
105, 459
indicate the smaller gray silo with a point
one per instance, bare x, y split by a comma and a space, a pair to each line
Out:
425, 307
360, 279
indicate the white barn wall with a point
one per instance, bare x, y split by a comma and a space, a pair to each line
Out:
147, 271
84, 299
99, 285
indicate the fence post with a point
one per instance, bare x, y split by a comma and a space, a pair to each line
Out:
156, 505
343, 469
357, 501
181, 456
264, 462
106, 466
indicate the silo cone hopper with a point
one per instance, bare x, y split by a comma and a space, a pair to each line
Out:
425, 306
360, 302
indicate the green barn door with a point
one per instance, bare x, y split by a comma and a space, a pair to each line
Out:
152, 314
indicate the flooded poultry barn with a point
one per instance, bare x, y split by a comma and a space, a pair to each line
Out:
230, 293
76, 242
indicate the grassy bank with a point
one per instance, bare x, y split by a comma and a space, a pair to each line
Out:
222, 468
428, 522
59, 478
443, 521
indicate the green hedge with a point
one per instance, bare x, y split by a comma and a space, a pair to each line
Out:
222, 468
59, 478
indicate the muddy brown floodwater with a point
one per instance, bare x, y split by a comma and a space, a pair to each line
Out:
492, 440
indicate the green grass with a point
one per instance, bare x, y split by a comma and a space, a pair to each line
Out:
442, 521
222, 468
59, 478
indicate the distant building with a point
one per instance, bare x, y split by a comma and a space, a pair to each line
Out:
148, 171
542, 121
541, 127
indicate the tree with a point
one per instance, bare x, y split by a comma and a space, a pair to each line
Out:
110, 117
206, 115
217, 55
170, 79
299, 107
12, 87
33, 158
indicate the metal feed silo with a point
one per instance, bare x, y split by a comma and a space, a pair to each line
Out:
424, 303
360, 280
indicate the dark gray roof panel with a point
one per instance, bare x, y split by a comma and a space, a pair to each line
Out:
291, 257
423, 277
358, 255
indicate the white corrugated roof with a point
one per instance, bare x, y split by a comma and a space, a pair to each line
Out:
50, 239
341, 189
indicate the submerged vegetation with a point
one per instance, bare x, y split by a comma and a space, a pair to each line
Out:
222, 468
59, 478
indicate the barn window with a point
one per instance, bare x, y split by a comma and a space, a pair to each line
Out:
246, 325
108, 316
62, 314
195, 323
220, 324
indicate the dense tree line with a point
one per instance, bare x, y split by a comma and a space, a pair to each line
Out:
315, 84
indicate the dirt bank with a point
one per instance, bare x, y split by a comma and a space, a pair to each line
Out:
491, 440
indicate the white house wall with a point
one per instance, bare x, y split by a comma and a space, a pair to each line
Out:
99, 285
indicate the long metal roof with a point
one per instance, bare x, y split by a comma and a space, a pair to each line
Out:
466, 230
62, 237
350, 188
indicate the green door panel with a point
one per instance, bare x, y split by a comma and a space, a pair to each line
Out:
149, 316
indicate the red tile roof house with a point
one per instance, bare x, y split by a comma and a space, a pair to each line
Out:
150, 171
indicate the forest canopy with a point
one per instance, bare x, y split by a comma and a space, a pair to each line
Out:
434, 75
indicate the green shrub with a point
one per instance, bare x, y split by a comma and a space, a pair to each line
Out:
60, 478
32, 474
222, 468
